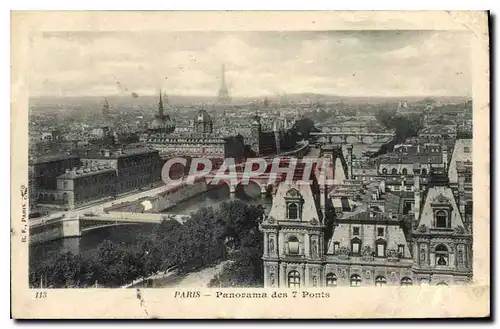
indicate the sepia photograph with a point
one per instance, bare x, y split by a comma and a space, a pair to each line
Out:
298, 160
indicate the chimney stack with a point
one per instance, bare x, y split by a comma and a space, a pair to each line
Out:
349, 161
445, 157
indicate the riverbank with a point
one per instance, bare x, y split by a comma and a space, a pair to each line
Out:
196, 279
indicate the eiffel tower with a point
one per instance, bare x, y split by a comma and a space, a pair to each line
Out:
223, 92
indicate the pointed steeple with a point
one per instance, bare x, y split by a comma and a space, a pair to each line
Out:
105, 108
160, 113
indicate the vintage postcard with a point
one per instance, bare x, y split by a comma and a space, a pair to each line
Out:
250, 165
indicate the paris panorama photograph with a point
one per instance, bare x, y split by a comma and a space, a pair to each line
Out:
129, 133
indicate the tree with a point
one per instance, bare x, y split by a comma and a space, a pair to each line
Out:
305, 127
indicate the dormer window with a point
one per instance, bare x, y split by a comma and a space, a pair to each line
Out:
405, 171
336, 247
293, 211
294, 202
441, 219
401, 250
355, 245
381, 246
394, 171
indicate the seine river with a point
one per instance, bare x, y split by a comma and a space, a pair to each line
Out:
127, 234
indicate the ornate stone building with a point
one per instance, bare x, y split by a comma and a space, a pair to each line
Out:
356, 235
442, 239
200, 141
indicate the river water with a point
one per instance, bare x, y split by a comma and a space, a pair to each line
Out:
127, 234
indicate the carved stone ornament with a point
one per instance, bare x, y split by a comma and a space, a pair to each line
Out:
422, 228
315, 271
392, 255
368, 274
271, 279
315, 281
314, 221
459, 230
344, 252
271, 245
423, 255
315, 248
367, 251
293, 193
270, 219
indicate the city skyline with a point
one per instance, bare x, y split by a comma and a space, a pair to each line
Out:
351, 64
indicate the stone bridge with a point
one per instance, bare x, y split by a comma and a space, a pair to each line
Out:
335, 137
65, 227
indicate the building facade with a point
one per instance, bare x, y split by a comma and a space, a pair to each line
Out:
80, 186
314, 238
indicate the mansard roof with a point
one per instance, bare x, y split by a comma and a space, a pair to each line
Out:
440, 196
309, 207
461, 152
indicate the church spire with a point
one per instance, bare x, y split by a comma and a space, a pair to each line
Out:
160, 107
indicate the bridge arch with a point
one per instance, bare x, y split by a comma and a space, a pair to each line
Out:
337, 140
97, 227
352, 140
368, 140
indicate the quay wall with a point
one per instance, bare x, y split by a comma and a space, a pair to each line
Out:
54, 229
162, 201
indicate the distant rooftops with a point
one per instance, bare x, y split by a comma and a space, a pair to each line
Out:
85, 171
119, 153
52, 158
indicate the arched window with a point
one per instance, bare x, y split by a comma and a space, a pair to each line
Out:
355, 280
405, 171
293, 245
394, 171
380, 281
406, 281
384, 171
441, 219
441, 255
355, 245
331, 280
424, 172
293, 211
293, 279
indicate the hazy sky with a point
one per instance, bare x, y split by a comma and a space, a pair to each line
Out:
367, 63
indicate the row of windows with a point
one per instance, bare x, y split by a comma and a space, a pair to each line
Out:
380, 250
380, 231
355, 280
394, 171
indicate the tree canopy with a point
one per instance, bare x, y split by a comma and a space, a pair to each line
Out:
200, 241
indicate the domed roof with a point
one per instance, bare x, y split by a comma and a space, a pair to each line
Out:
203, 116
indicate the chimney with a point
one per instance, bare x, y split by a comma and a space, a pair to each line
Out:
445, 157
349, 161
416, 185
